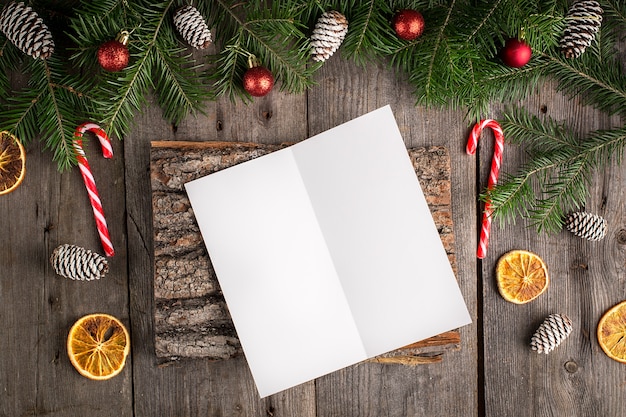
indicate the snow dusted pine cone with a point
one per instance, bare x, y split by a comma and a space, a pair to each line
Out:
586, 225
22, 26
554, 329
192, 27
77, 263
582, 22
328, 34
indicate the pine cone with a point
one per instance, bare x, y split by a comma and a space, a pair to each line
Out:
586, 225
22, 26
329, 32
554, 330
77, 263
583, 21
192, 27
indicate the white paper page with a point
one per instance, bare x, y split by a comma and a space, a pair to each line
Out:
384, 244
275, 271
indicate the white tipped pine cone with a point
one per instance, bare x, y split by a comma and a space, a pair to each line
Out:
328, 34
22, 26
192, 27
77, 263
586, 225
554, 330
583, 21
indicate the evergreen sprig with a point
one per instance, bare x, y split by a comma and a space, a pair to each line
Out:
159, 63
455, 63
272, 33
556, 178
49, 107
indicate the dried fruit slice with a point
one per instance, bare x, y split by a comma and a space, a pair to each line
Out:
12, 162
98, 345
522, 276
612, 332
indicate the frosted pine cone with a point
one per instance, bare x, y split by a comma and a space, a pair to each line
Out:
583, 21
22, 26
586, 225
328, 34
192, 27
554, 329
77, 263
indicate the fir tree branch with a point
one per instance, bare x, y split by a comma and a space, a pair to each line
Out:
560, 168
273, 35
605, 91
368, 26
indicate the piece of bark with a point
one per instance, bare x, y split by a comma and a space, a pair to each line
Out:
191, 316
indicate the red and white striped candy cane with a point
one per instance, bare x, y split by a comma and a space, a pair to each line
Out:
472, 143
90, 183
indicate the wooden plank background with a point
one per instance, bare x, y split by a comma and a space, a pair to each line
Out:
494, 374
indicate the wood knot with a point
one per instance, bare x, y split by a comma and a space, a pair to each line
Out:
267, 115
219, 126
580, 265
621, 237
571, 367
543, 109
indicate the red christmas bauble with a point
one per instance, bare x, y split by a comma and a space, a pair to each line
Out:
258, 81
408, 24
113, 56
516, 53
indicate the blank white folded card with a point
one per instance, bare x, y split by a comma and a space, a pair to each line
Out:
327, 253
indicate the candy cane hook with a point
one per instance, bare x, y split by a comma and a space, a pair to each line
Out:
472, 143
90, 183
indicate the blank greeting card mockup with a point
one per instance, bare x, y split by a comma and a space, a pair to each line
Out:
327, 253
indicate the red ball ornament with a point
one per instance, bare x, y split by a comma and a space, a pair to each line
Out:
257, 80
408, 24
516, 53
113, 55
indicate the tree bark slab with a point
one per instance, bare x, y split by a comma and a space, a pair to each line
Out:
191, 317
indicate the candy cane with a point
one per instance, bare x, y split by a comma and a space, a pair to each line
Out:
472, 143
90, 184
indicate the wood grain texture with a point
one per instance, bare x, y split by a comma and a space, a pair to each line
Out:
494, 374
38, 307
346, 91
576, 379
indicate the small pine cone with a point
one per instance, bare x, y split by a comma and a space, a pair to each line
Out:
554, 330
586, 225
77, 263
192, 27
583, 21
22, 26
328, 34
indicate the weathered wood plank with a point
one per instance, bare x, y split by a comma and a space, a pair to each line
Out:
576, 379
199, 386
346, 91
37, 307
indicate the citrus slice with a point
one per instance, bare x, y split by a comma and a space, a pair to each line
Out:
12, 162
98, 345
612, 332
522, 276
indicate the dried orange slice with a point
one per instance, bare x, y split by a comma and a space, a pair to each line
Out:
612, 332
12, 162
98, 345
522, 276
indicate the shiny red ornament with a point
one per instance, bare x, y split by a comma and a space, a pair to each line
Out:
113, 55
258, 80
408, 24
516, 53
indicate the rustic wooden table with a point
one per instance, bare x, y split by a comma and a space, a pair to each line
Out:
493, 374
